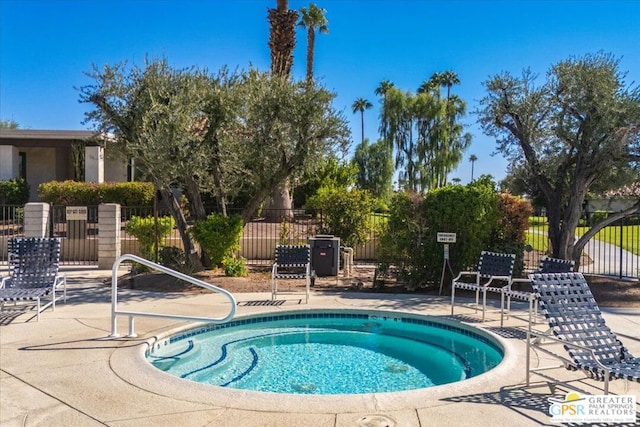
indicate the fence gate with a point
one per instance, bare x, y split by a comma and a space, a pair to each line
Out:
11, 225
77, 228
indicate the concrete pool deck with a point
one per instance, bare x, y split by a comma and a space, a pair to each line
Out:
66, 371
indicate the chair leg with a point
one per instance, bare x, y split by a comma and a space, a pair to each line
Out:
501, 309
307, 284
38, 308
484, 303
453, 297
530, 310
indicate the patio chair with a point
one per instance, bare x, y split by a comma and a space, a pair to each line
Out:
547, 265
291, 262
492, 268
33, 274
575, 321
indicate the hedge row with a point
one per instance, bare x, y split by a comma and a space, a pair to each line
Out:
90, 193
14, 192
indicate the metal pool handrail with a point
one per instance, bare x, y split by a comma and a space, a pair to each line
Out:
114, 297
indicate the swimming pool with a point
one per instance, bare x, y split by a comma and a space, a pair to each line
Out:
328, 352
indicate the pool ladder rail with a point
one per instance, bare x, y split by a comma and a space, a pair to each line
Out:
132, 314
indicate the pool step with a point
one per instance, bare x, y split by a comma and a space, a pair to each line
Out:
178, 356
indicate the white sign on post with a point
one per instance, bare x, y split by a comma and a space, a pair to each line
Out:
446, 237
76, 213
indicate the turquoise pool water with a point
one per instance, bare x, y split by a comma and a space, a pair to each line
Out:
328, 352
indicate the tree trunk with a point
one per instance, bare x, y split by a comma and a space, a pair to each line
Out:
196, 207
311, 35
282, 38
281, 204
190, 251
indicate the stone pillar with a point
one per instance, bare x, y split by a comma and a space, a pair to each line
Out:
36, 219
94, 164
9, 161
108, 235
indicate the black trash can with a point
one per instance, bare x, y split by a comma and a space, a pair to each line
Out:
325, 255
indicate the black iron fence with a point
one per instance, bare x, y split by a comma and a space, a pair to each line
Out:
260, 236
614, 251
11, 225
77, 228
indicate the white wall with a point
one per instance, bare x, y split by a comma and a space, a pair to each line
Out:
9, 161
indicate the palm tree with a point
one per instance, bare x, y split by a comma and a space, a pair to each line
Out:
282, 38
360, 105
448, 79
384, 86
472, 159
312, 18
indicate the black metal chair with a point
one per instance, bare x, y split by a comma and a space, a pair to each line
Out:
492, 268
291, 262
33, 274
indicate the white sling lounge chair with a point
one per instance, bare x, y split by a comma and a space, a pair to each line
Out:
575, 321
33, 274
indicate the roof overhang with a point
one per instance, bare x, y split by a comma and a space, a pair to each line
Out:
47, 138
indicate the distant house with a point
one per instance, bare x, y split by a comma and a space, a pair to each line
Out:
56, 155
616, 200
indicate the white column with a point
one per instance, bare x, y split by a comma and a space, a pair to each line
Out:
108, 235
9, 161
94, 164
36, 219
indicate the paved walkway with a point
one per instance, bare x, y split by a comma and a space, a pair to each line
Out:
66, 371
610, 259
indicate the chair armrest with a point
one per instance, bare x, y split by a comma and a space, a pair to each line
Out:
465, 273
274, 269
505, 278
544, 335
2, 281
518, 280
59, 280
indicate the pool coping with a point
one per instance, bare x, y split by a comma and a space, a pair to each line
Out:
130, 365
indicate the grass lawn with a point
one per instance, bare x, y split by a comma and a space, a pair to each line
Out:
627, 236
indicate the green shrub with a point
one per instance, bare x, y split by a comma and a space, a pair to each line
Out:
347, 214
482, 219
74, 193
219, 236
172, 257
399, 235
513, 222
14, 192
144, 229
234, 267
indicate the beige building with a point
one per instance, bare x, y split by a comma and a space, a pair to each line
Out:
56, 155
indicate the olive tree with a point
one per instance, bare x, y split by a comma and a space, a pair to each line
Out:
223, 133
579, 128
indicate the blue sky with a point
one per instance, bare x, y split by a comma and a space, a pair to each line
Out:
45, 46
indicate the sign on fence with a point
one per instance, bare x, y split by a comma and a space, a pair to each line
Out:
76, 222
76, 213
